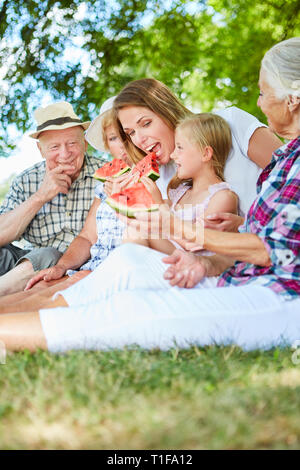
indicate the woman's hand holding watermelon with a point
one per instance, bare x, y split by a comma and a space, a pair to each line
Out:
115, 185
151, 186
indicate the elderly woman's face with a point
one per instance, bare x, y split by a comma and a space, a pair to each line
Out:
276, 110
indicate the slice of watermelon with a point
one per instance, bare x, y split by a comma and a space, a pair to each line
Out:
111, 169
148, 166
134, 199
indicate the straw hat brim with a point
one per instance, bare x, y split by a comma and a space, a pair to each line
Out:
94, 134
85, 126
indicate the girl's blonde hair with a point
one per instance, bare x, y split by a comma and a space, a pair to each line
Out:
154, 95
207, 130
109, 119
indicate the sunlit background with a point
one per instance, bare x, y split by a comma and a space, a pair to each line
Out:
207, 51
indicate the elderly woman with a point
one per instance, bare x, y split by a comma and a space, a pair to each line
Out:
248, 293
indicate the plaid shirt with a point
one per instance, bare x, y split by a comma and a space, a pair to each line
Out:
109, 230
60, 220
275, 218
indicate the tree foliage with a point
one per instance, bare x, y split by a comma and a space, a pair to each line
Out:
208, 52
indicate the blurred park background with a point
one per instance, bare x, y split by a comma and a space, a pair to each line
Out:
207, 51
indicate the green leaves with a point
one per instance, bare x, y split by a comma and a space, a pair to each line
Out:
208, 52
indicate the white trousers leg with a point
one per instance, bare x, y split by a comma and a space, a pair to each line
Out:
249, 316
128, 267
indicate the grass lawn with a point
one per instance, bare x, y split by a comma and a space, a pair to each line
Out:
212, 398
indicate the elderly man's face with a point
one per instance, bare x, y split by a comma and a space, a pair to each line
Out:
64, 147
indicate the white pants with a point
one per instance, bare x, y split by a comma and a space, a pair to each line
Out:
126, 301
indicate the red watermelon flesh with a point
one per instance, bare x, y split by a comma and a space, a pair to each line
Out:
111, 169
148, 166
134, 199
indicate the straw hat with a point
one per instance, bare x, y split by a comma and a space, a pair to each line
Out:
56, 116
94, 132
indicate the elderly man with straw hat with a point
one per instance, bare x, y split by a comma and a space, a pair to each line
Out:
47, 204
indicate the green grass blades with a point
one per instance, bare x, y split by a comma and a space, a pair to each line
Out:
200, 398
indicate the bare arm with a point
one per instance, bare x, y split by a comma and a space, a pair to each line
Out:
223, 201
245, 247
79, 250
224, 221
14, 223
77, 253
223, 218
261, 146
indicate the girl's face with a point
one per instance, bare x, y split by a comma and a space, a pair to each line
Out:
148, 132
115, 144
188, 157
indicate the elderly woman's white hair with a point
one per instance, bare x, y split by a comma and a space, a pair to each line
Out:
282, 66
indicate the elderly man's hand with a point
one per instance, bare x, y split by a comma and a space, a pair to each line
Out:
186, 269
48, 274
55, 181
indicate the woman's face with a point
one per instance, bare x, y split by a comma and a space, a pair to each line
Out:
115, 144
148, 132
276, 110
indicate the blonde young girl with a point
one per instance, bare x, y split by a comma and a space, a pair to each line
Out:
202, 145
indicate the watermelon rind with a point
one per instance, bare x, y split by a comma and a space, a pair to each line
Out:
130, 211
113, 176
154, 175
114, 168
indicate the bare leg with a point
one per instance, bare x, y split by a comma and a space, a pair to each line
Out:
22, 331
42, 299
58, 302
16, 279
35, 302
12, 299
